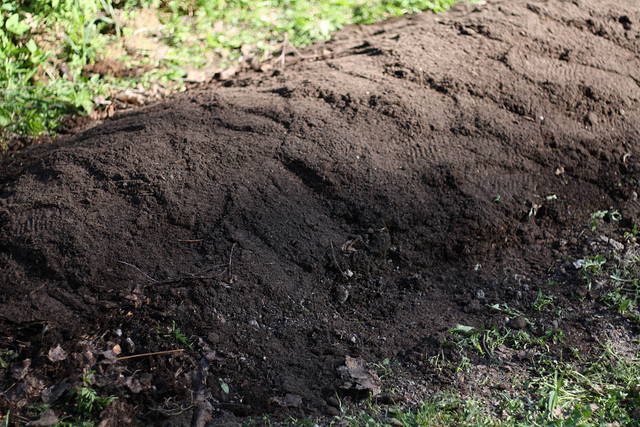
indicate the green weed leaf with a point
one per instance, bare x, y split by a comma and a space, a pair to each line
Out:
83, 100
16, 26
224, 386
9, 6
462, 329
5, 118
32, 46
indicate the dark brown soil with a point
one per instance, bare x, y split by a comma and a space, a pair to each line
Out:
359, 205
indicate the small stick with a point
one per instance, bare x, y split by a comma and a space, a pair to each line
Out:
191, 241
150, 354
37, 289
284, 50
181, 278
295, 50
230, 258
142, 272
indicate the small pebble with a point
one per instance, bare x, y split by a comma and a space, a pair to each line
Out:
341, 294
332, 401
130, 345
518, 323
333, 411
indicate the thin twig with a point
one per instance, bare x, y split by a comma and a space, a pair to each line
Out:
185, 277
37, 289
293, 48
284, 50
181, 278
230, 259
297, 52
151, 354
142, 272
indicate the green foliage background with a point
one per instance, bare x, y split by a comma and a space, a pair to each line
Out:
45, 44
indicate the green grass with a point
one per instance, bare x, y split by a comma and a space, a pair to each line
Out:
46, 44
557, 386
178, 336
554, 385
554, 391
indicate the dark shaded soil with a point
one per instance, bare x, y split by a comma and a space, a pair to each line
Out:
359, 205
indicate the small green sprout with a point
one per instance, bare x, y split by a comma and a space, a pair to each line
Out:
86, 399
601, 215
542, 301
224, 386
592, 266
7, 357
632, 235
177, 334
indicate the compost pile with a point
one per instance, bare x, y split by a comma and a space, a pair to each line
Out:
269, 235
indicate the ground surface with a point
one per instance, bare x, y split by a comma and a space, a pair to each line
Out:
357, 205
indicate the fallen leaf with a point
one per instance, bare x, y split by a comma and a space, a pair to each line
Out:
288, 401
50, 394
226, 74
101, 100
196, 76
130, 97
358, 377
47, 418
133, 384
109, 357
19, 371
116, 349
57, 354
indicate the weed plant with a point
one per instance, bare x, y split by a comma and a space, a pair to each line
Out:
46, 44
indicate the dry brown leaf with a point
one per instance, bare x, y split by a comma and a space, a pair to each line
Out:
288, 401
358, 377
57, 354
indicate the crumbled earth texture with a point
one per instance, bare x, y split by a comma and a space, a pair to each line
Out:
268, 233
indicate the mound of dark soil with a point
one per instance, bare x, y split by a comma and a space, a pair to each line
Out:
358, 205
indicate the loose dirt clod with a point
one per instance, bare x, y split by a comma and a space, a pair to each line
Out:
448, 152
